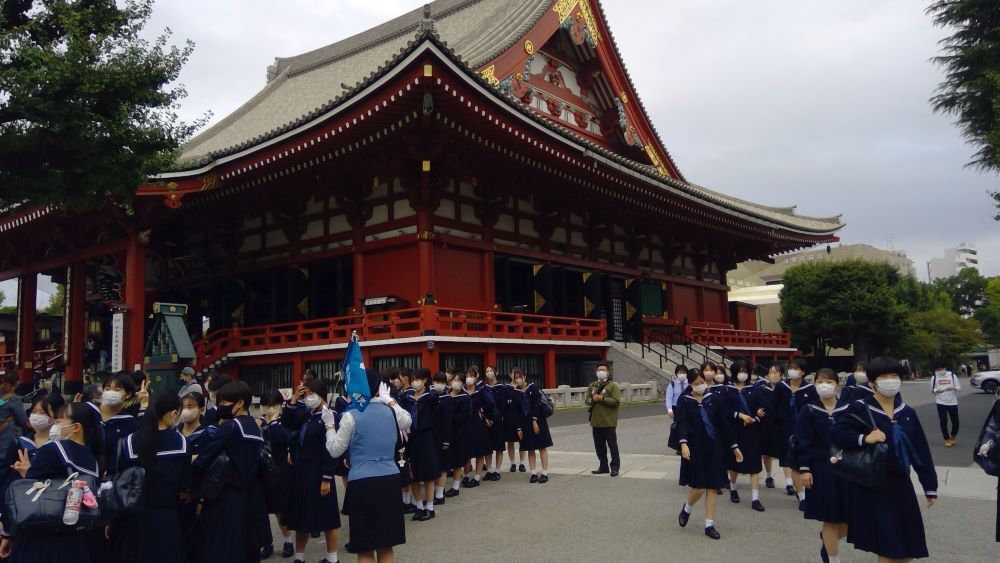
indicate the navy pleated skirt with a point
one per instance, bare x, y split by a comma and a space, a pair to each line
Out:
376, 514
707, 467
886, 521
307, 511
749, 440
827, 500
423, 453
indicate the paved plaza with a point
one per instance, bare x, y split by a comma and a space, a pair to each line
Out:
580, 517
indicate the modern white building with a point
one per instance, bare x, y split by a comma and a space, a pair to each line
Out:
954, 261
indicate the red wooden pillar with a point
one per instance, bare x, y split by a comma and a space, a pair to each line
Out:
491, 356
298, 367
135, 302
700, 303
358, 268
425, 234
27, 287
550, 367
74, 327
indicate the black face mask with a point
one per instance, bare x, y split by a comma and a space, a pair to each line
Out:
226, 411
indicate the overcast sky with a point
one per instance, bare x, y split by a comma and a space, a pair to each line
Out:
819, 104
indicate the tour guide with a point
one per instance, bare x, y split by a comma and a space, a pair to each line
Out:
604, 397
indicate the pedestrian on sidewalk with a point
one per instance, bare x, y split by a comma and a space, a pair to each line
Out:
946, 386
604, 397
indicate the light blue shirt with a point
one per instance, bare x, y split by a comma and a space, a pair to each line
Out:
674, 390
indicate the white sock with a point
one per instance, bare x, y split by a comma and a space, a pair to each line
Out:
788, 481
732, 486
299, 557
407, 497
493, 469
545, 472
834, 558
532, 471
430, 507
769, 476
332, 557
802, 495
288, 538
754, 494
687, 508
477, 477
709, 522
420, 505
438, 492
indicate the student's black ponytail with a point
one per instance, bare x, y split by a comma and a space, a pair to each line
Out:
81, 414
160, 403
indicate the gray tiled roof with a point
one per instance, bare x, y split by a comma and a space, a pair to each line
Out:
475, 30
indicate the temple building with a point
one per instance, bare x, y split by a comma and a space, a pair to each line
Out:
473, 182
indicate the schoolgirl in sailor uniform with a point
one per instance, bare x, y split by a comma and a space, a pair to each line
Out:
477, 433
886, 520
229, 526
706, 437
790, 396
278, 438
75, 448
826, 501
775, 439
23, 448
537, 437
510, 411
115, 422
495, 423
341, 464
752, 407
155, 534
460, 446
861, 388
423, 446
404, 398
312, 503
444, 412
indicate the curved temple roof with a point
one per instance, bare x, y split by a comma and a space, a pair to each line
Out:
474, 32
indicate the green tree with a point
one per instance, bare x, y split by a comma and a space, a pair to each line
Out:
989, 315
940, 334
843, 304
967, 290
971, 87
57, 302
87, 110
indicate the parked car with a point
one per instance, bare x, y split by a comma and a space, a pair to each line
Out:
988, 381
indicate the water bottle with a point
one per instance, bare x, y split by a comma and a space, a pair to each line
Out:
72, 513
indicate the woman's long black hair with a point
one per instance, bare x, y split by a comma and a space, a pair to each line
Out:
83, 415
160, 403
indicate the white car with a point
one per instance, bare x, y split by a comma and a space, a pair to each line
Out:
988, 381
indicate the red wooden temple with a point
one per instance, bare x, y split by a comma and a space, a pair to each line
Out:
473, 182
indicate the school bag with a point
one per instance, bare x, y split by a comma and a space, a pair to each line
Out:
125, 496
545, 405
990, 434
36, 507
863, 466
270, 477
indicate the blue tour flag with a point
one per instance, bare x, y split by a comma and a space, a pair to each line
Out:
356, 376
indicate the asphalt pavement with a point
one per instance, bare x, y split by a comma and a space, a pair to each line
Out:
580, 517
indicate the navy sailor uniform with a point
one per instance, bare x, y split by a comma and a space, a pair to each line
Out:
155, 534
826, 501
477, 434
532, 397
460, 446
307, 510
423, 446
708, 434
887, 521
750, 438
498, 396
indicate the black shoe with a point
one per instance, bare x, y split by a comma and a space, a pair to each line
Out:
756, 505
769, 482
823, 555
802, 505
496, 476
734, 496
473, 483
683, 517
789, 490
513, 468
430, 515
711, 532
521, 468
317, 534
600, 471
466, 482
266, 551
421, 515
439, 501
451, 493
718, 491
614, 472
534, 479
288, 549
409, 508
543, 479
484, 469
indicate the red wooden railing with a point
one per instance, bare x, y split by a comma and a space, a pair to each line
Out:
41, 357
402, 323
712, 334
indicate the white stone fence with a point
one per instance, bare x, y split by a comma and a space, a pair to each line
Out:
566, 396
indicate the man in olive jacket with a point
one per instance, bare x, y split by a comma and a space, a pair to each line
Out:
604, 397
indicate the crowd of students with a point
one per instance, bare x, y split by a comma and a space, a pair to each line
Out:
727, 425
206, 495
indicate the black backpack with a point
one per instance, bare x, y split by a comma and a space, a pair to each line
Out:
270, 478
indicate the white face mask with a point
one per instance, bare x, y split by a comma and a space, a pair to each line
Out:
55, 432
825, 390
742, 377
602, 375
719, 378
418, 385
40, 422
111, 398
470, 381
490, 375
861, 377
794, 374
188, 415
888, 387
312, 401
519, 382
440, 387
682, 377
456, 385
699, 388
